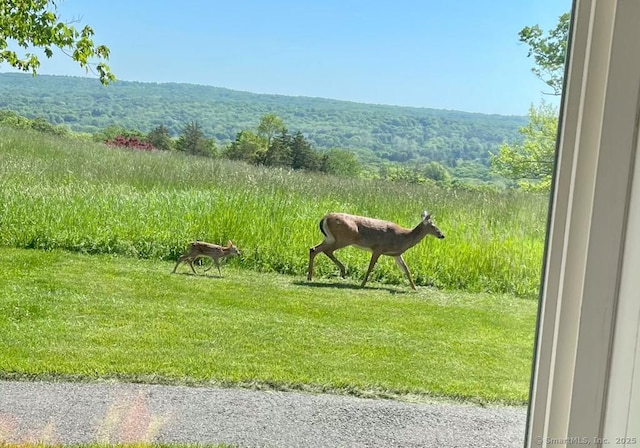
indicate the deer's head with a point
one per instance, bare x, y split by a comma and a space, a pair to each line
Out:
431, 227
233, 250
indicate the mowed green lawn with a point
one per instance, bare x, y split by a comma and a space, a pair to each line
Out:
74, 316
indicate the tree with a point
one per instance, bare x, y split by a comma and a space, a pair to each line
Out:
246, 147
303, 156
530, 163
549, 51
340, 162
12, 119
42, 125
36, 23
270, 125
113, 131
160, 138
279, 152
436, 171
192, 141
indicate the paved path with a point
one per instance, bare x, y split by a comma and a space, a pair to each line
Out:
74, 413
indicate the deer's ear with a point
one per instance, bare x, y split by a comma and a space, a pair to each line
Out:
229, 243
426, 216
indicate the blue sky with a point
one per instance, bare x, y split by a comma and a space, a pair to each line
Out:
458, 54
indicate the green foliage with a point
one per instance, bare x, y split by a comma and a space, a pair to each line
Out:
36, 23
468, 169
114, 131
340, 163
303, 156
270, 125
78, 196
531, 163
431, 173
549, 51
12, 119
279, 153
283, 150
247, 147
160, 138
436, 171
192, 141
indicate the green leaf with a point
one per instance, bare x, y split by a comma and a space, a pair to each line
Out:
34, 23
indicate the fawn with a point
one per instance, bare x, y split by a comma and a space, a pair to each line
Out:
199, 249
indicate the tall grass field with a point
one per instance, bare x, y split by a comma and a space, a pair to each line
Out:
84, 197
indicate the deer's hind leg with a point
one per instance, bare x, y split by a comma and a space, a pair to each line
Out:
372, 263
343, 270
327, 249
190, 261
312, 255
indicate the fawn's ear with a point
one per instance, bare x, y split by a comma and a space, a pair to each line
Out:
229, 243
426, 216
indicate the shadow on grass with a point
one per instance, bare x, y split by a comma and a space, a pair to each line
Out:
353, 286
204, 275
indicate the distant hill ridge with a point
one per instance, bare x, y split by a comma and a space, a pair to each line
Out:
372, 131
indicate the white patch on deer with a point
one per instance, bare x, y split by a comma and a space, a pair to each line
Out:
328, 237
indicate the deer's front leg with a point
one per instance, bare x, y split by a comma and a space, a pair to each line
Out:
400, 262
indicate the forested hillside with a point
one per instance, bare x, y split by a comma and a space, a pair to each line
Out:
374, 132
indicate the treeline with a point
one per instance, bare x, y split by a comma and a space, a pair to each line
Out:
268, 144
377, 134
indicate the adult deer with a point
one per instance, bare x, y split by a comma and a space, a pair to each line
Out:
199, 249
379, 237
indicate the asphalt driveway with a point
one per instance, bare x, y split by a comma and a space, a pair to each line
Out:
111, 412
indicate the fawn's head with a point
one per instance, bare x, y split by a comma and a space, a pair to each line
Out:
431, 227
233, 250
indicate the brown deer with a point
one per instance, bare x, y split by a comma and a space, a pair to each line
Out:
379, 237
199, 249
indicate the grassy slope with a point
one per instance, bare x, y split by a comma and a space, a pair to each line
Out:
98, 316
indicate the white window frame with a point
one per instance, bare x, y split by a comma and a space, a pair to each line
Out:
586, 373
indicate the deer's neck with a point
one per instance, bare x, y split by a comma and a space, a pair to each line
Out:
416, 235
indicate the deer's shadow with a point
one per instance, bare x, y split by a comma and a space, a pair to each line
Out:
204, 275
351, 286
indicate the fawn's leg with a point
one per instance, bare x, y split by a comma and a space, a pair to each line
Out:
180, 260
191, 260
